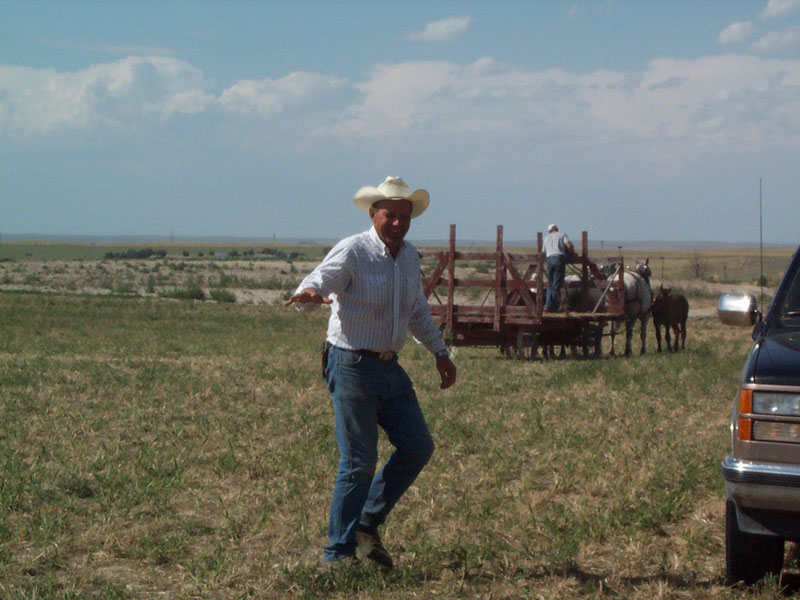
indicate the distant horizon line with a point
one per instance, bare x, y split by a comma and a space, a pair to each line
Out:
231, 239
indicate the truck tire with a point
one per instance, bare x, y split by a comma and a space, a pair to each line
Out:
749, 557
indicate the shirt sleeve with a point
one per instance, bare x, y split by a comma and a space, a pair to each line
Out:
421, 324
332, 275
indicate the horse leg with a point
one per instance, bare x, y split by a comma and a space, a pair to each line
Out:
677, 329
612, 332
657, 327
643, 319
683, 337
667, 337
628, 337
598, 342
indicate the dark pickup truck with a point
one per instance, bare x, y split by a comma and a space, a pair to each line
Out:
762, 473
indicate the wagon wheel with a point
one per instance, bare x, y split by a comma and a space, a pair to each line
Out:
449, 340
526, 345
591, 338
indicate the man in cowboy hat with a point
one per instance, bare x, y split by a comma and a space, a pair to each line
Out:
371, 281
557, 248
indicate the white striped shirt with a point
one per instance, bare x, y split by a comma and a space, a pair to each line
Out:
377, 299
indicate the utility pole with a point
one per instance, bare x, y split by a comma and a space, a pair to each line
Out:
761, 244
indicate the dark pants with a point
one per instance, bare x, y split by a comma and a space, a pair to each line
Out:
556, 267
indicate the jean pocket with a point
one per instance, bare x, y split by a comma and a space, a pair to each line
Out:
345, 358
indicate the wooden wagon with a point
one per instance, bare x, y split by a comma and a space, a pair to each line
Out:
497, 299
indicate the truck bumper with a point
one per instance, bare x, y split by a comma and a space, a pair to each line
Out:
767, 496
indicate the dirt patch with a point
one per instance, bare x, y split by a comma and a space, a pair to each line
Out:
710, 288
251, 282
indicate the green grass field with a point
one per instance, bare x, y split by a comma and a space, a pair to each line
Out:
177, 449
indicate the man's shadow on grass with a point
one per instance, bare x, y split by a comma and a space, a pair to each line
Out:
789, 581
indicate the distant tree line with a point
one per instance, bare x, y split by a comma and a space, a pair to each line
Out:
266, 252
131, 253
150, 253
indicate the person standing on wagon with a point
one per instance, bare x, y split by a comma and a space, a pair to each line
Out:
557, 249
372, 282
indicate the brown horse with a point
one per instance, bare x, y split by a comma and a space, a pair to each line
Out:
671, 311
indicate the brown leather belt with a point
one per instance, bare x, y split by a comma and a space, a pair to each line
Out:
381, 356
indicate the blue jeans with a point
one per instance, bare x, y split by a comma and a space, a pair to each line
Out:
368, 393
556, 267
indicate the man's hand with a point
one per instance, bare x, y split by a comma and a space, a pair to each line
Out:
447, 371
307, 295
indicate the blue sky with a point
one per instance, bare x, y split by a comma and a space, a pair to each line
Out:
635, 121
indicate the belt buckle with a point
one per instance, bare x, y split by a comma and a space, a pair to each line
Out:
386, 356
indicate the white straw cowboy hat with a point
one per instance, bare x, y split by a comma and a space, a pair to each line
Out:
392, 188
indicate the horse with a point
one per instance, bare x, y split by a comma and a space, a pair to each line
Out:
671, 311
572, 293
638, 302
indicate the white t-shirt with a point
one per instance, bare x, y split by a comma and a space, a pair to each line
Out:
555, 243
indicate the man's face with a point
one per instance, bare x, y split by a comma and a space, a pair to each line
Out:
391, 218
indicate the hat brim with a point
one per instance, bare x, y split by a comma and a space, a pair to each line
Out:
369, 195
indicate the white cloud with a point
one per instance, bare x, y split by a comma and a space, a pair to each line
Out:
778, 41
736, 33
268, 97
725, 99
190, 102
573, 13
392, 98
445, 30
131, 92
674, 107
779, 8
34, 101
